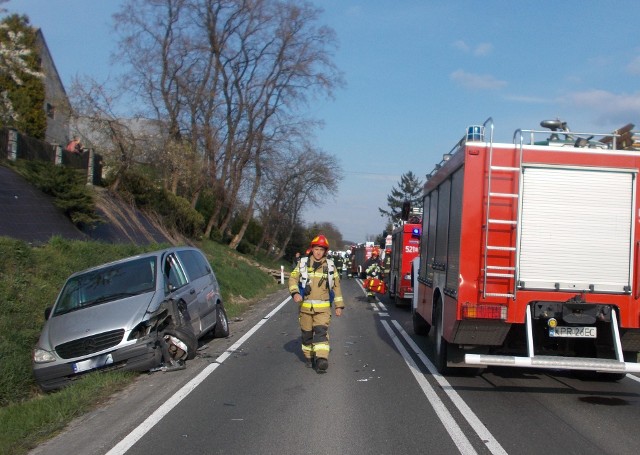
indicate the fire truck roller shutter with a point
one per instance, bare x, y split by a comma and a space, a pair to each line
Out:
576, 229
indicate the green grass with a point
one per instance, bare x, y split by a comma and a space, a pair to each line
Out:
240, 281
30, 279
28, 423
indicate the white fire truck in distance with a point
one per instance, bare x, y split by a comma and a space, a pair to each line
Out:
530, 252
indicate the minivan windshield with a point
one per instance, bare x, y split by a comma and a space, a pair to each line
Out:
107, 284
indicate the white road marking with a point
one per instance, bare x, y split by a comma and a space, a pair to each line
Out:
634, 378
172, 402
450, 424
483, 433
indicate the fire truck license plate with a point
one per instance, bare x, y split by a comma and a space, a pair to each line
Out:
574, 332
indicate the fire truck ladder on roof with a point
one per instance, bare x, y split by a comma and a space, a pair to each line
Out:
493, 270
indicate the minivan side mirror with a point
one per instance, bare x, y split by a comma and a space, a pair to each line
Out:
47, 313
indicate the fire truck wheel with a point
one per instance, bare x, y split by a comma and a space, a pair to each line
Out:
420, 326
588, 349
440, 343
597, 376
611, 377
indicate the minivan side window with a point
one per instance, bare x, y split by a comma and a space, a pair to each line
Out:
195, 265
174, 273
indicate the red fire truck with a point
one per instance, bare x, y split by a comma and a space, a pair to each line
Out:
405, 246
361, 253
530, 253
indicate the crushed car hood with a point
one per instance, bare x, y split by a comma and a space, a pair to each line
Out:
119, 314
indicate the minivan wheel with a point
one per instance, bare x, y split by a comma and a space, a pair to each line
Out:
185, 335
222, 323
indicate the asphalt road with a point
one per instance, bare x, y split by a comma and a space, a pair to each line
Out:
253, 395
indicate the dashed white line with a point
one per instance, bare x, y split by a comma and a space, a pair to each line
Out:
450, 424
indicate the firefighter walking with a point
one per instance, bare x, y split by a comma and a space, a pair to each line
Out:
372, 270
346, 266
315, 286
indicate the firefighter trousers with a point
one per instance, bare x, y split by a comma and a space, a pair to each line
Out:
315, 334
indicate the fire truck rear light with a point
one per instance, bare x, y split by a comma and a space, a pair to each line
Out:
480, 311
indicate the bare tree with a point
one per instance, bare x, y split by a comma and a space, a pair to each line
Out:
96, 119
307, 178
226, 78
275, 197
330, 231
270, 56
157, 45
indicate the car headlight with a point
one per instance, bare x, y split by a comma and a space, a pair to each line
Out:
42, 356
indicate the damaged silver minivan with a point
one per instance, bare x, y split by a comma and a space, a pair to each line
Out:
137, 313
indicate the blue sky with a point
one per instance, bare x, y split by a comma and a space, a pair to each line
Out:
419, 72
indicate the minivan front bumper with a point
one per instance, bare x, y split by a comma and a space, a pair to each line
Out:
141, 356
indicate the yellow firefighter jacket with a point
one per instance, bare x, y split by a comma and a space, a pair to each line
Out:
317, 298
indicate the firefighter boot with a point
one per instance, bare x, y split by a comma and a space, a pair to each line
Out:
322, 364
308, 362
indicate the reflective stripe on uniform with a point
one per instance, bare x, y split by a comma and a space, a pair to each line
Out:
322, 346
315, 304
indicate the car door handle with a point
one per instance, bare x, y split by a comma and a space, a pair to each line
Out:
192, 291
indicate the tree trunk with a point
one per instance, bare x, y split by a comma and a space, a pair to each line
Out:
248, 214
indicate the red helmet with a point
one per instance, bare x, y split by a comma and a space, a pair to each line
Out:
320, 240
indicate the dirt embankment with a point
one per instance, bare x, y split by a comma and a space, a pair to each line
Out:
28, 214
123, 222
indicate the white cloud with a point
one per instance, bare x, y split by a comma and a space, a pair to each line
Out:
528, 99
634, 66
483, 49
477, 81
608, 107
460, 45
479, 50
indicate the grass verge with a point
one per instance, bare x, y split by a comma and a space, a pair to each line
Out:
30, 279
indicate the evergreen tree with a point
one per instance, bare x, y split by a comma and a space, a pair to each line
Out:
21, 81
409, 189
